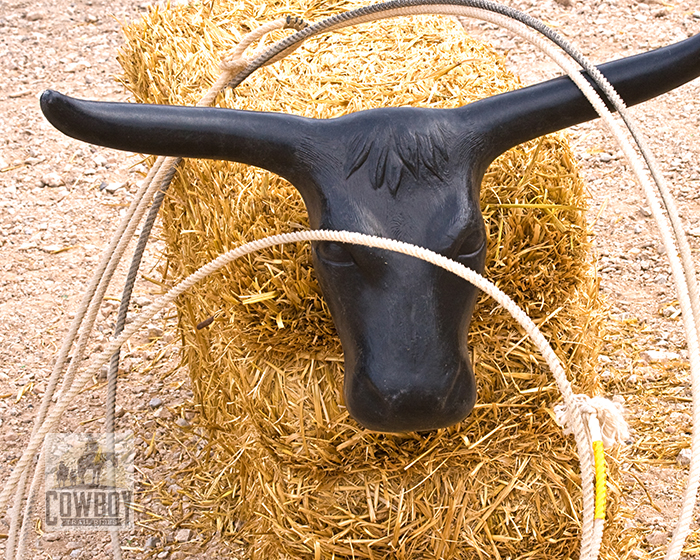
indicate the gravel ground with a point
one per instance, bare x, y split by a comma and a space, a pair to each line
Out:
61, 199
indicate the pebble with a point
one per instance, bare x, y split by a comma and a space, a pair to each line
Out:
51, 248
72, 67
155, 402
142, 301
659, 356
51, 180
182, 423
605, 157
72, 545
154, 333
657, 538
183, 535
34, 16
152, 542
76, 553
163, 554
684, 457
162, 413
51, 537
669, 311
111, 187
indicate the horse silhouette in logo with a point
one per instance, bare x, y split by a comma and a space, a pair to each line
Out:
94, 459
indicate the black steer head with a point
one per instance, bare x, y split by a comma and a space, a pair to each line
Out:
405, 173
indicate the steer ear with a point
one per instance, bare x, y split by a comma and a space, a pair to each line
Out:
264, 140
511, 118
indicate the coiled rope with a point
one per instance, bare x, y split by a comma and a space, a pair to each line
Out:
162, 172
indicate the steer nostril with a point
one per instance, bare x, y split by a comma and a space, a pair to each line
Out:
415, 408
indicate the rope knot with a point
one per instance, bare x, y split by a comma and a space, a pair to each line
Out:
608, 414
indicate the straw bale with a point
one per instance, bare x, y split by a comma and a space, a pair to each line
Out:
287, 471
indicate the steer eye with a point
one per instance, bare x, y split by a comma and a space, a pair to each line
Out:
472, 245
336, 253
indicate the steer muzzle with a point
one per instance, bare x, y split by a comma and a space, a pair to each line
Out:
403, 324
445, 396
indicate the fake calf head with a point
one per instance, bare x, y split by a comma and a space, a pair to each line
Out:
405, 173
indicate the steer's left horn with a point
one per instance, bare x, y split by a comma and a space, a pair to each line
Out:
267, 140
511, 118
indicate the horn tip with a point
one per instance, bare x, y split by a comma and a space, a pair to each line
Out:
48, 101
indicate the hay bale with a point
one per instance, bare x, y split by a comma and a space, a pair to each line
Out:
287, 470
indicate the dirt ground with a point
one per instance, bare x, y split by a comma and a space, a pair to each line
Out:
60, 201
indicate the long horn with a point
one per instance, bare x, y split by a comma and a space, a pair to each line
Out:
517, 116
267, 140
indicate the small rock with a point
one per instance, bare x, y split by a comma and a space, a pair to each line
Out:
183, 535
152, 542
19, 93
90, 18
162, 413
182, 423
51, 537
163, 554
99, 160
34, 16
51, 248
669, 311
696, 15
155, 402
142, 301
154, 332
645, 211
52, 180
659, 356
72, 545
618, 399
119, 411
684, 457
111, 187
73, 67
76, 553
657, 538
605, 157
102, 375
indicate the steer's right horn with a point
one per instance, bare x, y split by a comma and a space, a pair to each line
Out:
267, 140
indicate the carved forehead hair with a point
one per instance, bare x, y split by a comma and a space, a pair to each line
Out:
389, 150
